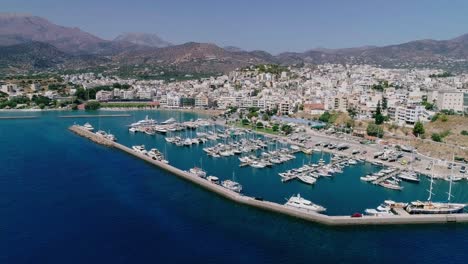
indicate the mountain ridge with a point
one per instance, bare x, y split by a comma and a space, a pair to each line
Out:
151, 50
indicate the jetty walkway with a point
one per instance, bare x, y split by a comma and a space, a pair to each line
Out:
18, 117
274, 207
95, 116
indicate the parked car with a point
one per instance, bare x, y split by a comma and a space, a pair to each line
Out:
356, 215
463, 169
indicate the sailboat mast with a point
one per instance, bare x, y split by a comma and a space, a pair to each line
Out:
432, 181
451, 179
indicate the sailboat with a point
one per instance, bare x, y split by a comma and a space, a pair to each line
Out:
430, 207
232, 185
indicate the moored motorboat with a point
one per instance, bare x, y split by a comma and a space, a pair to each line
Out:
300, 203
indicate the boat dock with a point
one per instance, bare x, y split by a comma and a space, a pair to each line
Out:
387, 176
275, 207
294, 176
94, 116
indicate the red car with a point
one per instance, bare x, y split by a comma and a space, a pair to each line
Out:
356, 215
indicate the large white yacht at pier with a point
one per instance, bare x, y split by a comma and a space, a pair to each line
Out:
145, 122
304, 204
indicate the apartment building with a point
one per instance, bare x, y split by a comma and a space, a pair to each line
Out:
450, 100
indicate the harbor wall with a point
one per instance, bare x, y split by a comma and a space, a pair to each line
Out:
274, 207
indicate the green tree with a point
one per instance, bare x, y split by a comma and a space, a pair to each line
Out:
325, 117
418, 129
379, 118
375, 130
384, 103
245, 121
436, 137
275, 127
92, 105
352, 112
287, 129
259, 124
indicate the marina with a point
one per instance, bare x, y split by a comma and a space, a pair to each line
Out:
280, 208
109, 191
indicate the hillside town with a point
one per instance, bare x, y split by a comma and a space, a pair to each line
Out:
406, 96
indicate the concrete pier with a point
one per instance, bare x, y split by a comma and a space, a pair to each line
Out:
17, 117
279, 208
95, 116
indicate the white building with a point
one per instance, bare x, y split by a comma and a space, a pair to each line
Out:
410, 114
173, 101
104, 95
9, 88
35, 87
450, 100
128, 95
284, 108
201, 100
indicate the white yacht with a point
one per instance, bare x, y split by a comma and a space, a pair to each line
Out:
140, 149
145, 122
391, 185
306, 179
409, 177
110, 136
101, 133
169, 121
429, 207
257, 164
88, 126
232, 185
198, 172
303, 204
213, 179
369, 178
352, 162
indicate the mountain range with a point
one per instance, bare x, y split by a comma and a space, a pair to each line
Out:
31, 43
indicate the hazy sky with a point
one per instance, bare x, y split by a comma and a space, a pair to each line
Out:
271, 25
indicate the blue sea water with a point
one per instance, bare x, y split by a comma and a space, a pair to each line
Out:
64, 199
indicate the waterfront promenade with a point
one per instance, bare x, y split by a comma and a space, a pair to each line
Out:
274, 207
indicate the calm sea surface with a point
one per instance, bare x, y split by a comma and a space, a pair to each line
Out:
64, 199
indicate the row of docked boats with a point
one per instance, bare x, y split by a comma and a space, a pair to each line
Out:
187, 142
153, 153
267, 158
151, 127
387, 178
101, 133
235, 148
228, 184
309, 173
106, 135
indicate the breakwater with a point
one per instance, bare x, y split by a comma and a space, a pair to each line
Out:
17, 117
403, 218
94, 116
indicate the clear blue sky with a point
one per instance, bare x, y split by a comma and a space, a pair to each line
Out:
271, 25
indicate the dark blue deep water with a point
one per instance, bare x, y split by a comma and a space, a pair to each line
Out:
64, 199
